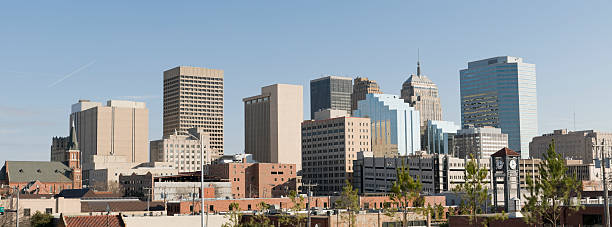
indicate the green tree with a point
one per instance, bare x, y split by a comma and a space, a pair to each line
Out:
41, 220
405, 191
234, 216
474, 193
439, 209
551, 191
260, 219
349, 200
296, 218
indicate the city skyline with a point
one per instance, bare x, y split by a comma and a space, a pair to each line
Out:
64, 59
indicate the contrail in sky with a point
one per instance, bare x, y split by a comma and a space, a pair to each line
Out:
72, 73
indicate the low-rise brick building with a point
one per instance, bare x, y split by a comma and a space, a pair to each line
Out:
256, 180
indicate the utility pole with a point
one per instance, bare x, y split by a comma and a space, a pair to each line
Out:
149, 190
605, 184
17, 210
201, 138
308, 194
193, 201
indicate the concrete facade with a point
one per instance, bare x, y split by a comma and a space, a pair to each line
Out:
174, 191
183, 151
272, 124
50, 205
193, 98
501, 92
578, 145
480, 142
164, 221
329, 148
361, 87
108, 178
119, 129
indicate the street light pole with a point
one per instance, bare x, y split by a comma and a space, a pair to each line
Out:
201, 138
605, 184
17, 210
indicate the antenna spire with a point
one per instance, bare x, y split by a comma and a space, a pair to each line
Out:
418, 62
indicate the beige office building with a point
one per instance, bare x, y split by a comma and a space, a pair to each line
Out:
578, 145
361, 87
193, 98
120, 129
272, 132
329, 147
422, 94
480, 142
183, 151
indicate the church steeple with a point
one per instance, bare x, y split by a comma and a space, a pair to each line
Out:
74, 145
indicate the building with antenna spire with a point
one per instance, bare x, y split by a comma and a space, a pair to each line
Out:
422, 94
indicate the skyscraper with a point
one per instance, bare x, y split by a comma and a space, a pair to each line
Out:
422, 94
193, 98
330, 92
272, 124
394, 125
119, 130
501, 92
362, 87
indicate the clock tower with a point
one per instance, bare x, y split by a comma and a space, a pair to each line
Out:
505, 169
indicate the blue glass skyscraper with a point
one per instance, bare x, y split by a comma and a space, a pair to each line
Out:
395, 125
501, 92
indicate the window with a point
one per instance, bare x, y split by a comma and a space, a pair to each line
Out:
48, 210
26, 212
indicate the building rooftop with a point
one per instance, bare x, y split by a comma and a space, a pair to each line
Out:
419, 79
30, 171
120, 205
86, 193
93, 221
505, 152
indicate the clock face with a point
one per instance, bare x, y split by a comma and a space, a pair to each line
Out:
499, 164
512, 164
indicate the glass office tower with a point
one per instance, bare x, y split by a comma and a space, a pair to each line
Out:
330, 92
395, 125
501, 92
440, 135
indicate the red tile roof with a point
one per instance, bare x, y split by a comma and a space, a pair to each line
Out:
94, 221
505, 152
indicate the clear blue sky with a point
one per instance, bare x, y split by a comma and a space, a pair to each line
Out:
54, 53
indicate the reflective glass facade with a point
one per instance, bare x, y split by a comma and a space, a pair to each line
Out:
395, 126
331, 92
440, 135
501, 92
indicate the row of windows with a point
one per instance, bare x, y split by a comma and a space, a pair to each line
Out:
216, 110
264, 99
